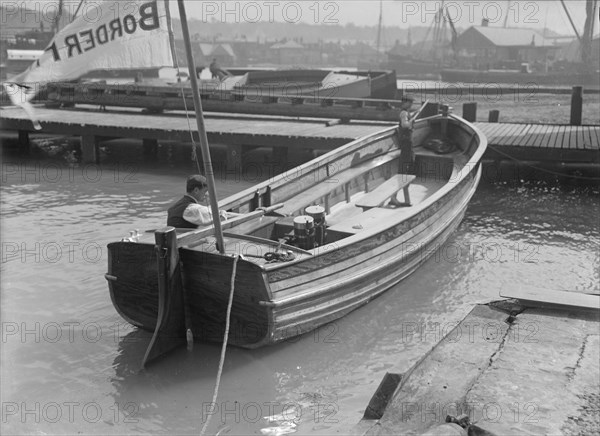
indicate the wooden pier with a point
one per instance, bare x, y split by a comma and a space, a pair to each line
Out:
235, 130
567, 147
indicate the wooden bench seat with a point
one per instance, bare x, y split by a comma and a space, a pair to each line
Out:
322, 189
388, 190
364, 221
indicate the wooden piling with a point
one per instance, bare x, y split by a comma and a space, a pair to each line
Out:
24, 144
494, 116
234, 157
89, 149
280, 155
150, 147
576, 105
470, 111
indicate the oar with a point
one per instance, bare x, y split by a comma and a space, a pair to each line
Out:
194, 235
418, 112
238, 219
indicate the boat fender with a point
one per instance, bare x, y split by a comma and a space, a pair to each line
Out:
273, 257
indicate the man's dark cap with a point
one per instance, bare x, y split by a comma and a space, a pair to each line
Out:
195, 181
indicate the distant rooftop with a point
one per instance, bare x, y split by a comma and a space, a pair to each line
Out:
514, 36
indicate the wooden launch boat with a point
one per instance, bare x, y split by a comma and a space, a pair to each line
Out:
313, 82
368, 225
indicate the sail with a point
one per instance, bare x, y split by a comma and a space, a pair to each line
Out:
107, 35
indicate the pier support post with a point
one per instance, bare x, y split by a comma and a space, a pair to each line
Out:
470, 111
444, 110
234, 158
150, 147
89, 149
24, 144
280, 155
576, 105
494, 116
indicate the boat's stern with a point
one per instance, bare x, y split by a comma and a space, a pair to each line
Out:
133, 282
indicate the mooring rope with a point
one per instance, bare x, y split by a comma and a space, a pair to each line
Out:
224, 347
543, 170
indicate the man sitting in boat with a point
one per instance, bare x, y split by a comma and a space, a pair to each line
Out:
188, 212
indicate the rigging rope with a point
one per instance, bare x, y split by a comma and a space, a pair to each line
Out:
187, 115
225, 339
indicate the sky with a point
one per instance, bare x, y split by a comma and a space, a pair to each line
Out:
401, 13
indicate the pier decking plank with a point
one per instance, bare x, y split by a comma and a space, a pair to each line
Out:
595, 135
508, 134
597, 131
581, 141
524, 131
499, 130
573, 140
554, 136
542, 137
491, 128
587, 136
566, 138
529, 139
562, 133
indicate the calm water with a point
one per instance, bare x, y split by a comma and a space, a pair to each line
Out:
70, 364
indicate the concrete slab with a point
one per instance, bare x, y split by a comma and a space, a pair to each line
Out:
545, 374
436, 386
512, 370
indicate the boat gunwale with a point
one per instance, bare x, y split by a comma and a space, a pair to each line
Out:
415, 210
334, 155
281, 302
306, 168
282, 179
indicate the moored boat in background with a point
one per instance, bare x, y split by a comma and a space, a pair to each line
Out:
292, 82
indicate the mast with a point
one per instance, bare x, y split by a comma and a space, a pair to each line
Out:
379, 27
506, 16
56, 25
438, 33
570, 20
586, 40
208, 170
77, 10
